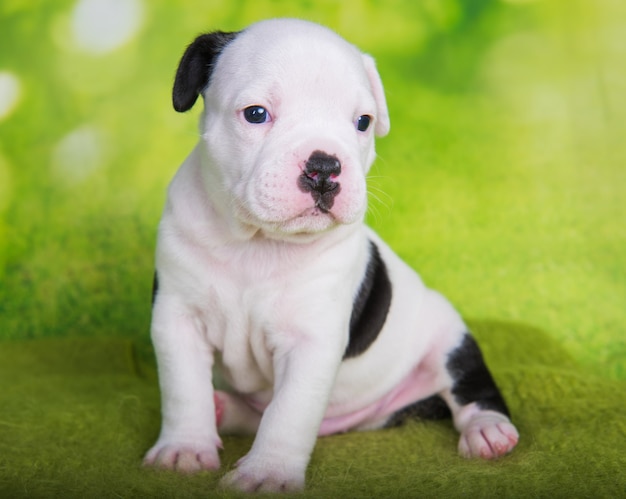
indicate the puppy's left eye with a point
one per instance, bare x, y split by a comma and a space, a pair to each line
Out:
363, 122
256, 115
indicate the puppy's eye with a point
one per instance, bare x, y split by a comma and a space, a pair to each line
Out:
363, 122
256, 115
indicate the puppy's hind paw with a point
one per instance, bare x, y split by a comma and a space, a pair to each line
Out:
488, 435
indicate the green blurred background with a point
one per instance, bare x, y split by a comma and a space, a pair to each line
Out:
501, 182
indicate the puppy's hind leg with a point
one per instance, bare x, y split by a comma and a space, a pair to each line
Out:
479, 411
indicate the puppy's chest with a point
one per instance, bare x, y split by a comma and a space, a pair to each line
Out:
250, 308
237, 309
247, 308
236, 322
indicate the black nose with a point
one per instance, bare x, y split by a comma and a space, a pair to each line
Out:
322, 166
318, 178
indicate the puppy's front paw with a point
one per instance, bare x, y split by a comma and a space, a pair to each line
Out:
488, 435
183, 457
260, 475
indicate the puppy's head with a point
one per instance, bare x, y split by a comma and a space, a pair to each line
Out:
291, 110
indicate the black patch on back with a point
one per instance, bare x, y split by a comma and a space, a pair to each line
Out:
155, 287
472, 380
196, 66
433, 408
370, 307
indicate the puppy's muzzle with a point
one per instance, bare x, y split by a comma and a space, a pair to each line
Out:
318, 178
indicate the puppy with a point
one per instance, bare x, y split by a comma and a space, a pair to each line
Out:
266, 272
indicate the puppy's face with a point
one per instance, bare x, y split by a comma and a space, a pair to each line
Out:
289, 126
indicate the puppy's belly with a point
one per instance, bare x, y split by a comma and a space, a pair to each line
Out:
420, 383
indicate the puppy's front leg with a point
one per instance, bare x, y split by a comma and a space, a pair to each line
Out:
304, 376
188, 440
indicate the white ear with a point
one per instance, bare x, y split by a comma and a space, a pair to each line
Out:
382, 119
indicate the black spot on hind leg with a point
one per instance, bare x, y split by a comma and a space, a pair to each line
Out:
472, 380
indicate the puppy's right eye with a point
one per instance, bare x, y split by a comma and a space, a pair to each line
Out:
256, 115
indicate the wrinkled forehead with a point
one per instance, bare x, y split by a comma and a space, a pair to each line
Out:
311, 61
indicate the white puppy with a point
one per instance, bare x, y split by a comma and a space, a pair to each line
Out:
266, 271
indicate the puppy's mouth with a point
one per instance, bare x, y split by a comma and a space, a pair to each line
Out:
311, 221
314, 219
324, 202
319, 210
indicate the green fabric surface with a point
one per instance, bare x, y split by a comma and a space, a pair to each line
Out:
76, 416
502, 183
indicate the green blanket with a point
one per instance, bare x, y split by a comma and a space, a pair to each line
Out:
77, 415
502, 183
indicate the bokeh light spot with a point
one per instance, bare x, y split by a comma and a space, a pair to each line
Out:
9, 93
100, 26
79, 154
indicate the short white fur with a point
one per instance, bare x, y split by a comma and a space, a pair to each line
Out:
255, 281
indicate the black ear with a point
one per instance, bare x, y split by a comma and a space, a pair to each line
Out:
196, 66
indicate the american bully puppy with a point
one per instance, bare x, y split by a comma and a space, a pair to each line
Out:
266, 272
